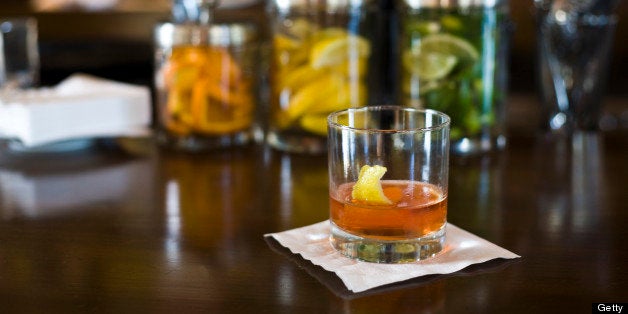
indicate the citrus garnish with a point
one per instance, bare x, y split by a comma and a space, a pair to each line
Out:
438, 55
207, 91
298, 77
318, 71
326, 34
313, 93
345, 95
451, 23
283, 42
315, 123
301, 28
368, 189
337, 49
314, 119
449, 45
429, 65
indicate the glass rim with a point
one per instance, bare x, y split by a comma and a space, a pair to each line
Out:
446, 120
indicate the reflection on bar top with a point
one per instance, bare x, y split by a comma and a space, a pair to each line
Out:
26, 195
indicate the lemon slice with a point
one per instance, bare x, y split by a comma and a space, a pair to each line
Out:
345, 95
302, 28
283, 42
315, 123
429, 66
353, 69
298, 77
368, 189
338, 49
313, 93
327, 33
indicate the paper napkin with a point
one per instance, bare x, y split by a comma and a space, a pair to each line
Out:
82, 106
461, 250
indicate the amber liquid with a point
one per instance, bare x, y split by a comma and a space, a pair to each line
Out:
417, 210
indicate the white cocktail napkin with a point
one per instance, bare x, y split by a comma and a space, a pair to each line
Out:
461, 250
82, 106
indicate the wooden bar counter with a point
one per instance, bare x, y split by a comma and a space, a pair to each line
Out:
130, 228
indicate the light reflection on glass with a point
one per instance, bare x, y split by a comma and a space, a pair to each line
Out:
285, 285
570, 195
428, 298
285, 183
556, 215
586, 169
300, 182
478, 183
173, 221
576, 162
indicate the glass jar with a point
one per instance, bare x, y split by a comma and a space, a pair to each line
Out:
453, 58
206, 82
325, 56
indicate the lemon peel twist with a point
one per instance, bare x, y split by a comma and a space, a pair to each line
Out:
368, 188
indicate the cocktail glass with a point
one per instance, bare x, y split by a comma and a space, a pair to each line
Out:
575, 40
388, 176
19, 53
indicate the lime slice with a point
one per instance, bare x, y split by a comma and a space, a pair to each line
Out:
449, 45
368, 189
424, 28
338, 49
451, 23
429, 65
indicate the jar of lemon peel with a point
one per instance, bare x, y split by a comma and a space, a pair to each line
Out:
324, 58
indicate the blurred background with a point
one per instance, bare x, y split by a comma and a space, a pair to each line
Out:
113, 38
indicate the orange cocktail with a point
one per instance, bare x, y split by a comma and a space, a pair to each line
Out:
417, 209
388, 178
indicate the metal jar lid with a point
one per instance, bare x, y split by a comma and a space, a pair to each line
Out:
419, 4
223, 35
327, 5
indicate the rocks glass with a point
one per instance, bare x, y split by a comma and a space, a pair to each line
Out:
388, 179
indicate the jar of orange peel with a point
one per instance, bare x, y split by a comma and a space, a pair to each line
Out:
206, 85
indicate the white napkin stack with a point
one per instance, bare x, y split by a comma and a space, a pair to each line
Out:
462, 249
81, 106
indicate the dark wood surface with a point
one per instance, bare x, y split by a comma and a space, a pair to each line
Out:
143, 230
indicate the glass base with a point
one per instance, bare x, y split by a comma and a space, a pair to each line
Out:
475, 146
297, 142
198, 143
389, 252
